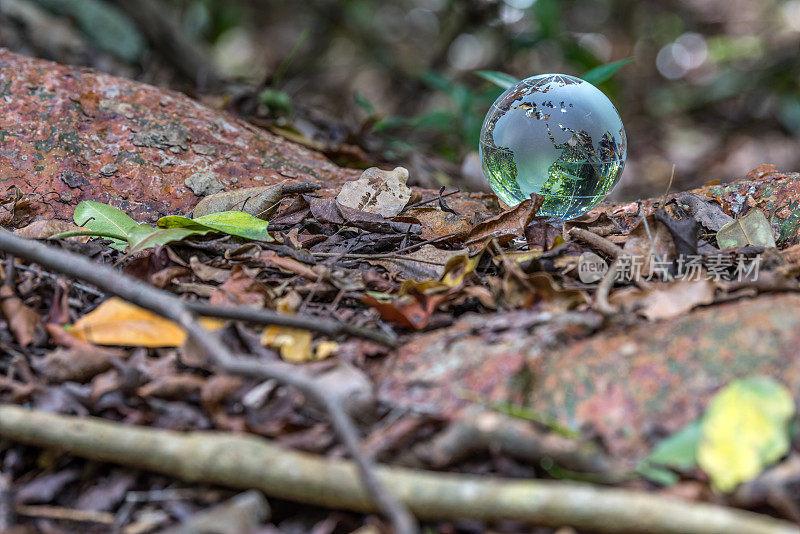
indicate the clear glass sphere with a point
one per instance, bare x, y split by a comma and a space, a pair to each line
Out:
555, 135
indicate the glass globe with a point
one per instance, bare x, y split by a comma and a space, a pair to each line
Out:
555, 135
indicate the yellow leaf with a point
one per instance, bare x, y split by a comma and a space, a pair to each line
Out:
744, 430
325, 349
118, 322
458, 268
294, 344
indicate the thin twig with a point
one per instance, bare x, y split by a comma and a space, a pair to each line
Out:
434, 199
320, 325
354, 256
252, 462
64, 514
601, 302
146, 296
597, 242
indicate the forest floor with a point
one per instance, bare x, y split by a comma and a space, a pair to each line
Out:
632, 370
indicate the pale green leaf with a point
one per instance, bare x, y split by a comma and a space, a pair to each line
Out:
744, 430
657, 474
678, 451
103, 219
500, 79
144, 236
235, 223
602, 73
752, 229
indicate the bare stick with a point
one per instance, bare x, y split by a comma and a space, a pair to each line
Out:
65, 514
250, 462
161, 302
315, 324
597, 242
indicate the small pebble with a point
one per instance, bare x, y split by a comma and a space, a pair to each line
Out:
108, 169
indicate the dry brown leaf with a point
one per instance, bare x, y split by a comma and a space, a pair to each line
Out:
377, 191
76, 364
655, 245
173, 387
217, 389
540, 290
289, 264
240, 289
509, 224
47, 228
207, 273
165, 276
22, 320
259, 202
435, 223
425, 263
668, 299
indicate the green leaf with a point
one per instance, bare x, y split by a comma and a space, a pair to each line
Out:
104, 219
237, 223
745, 429
752, 229
602, 73
678, 451
144, 236
657, 474
106, 26
278, 102
501, 79
364, 104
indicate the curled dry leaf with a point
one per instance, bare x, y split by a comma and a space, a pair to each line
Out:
377, 191
705, 211
289, 264
22, 320
260, 202
507, 225
435, 223
207, 273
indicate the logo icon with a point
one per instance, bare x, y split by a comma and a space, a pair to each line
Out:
591, 268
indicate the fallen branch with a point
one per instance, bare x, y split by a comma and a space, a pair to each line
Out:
597, 242
148, 297
64, 514
480, 430
315, 324
250, 462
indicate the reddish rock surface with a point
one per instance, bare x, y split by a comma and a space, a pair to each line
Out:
69, 134
630, 388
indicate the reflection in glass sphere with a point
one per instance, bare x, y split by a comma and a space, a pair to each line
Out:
555, 135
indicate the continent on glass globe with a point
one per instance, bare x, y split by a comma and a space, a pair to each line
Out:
555, 135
